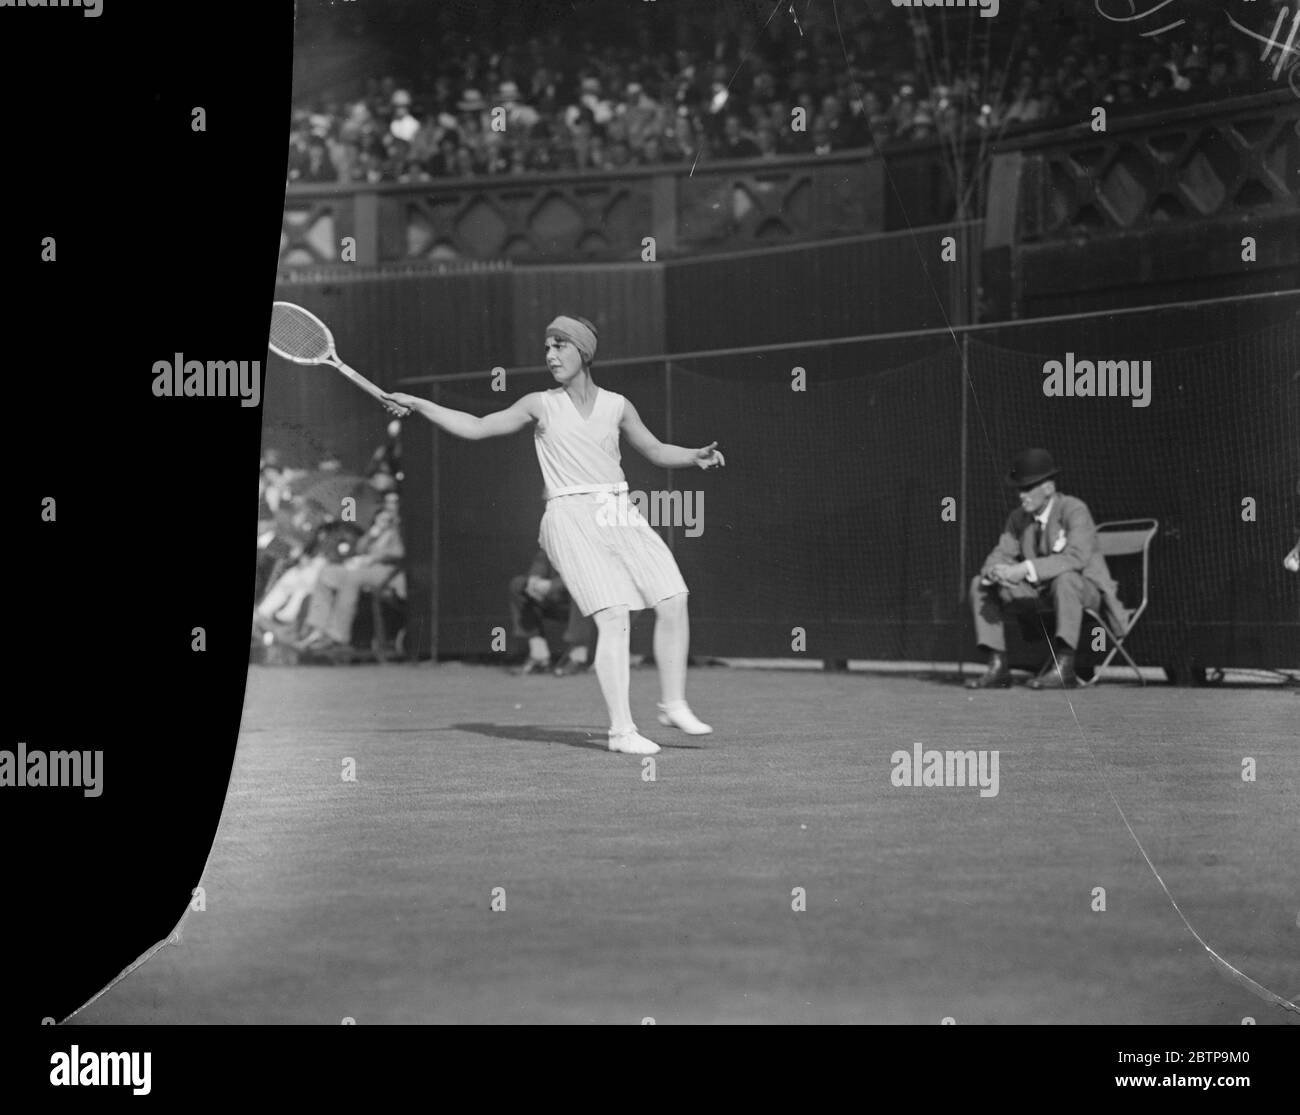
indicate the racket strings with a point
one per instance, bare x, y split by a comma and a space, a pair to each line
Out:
296, 335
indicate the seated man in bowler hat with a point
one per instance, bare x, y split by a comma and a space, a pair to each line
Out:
1048, 552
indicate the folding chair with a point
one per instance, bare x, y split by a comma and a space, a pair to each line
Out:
1121, 539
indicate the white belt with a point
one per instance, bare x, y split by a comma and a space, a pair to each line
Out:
585, 489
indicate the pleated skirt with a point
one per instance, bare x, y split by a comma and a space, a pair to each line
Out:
607, 553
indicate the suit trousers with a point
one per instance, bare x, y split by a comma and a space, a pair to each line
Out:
1067, 594
527, 614
334, 600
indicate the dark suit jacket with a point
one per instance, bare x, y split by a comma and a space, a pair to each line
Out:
1069, 545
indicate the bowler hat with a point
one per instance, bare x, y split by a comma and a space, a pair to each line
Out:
1031, 467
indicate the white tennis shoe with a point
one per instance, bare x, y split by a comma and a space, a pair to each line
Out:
680, 716
632, 743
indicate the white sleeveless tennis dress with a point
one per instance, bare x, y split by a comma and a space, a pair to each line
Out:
602, 546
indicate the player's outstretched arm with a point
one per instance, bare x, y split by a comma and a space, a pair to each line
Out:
470, 426
661, 455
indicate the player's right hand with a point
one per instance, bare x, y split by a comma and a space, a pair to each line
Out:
398, 403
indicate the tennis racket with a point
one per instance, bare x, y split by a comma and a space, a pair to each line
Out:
300, 336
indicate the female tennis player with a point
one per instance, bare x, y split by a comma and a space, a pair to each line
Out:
611, 561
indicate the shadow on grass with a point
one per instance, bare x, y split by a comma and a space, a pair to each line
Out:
535, 733
570, 737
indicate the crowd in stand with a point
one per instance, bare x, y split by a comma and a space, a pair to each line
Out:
324, 536
734, 91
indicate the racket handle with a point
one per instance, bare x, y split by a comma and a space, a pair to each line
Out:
360, 380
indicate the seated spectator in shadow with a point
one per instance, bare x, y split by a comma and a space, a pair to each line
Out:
1194, 71
645, 117
315, 165
1160, 82
540, 594
619, 155
377, 562
1123, 89
735, 143
842, 127
1024, 108
1220, 74
652, 153
278, 609
466, 165
444, 163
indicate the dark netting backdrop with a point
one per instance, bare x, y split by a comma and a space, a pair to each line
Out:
830, 516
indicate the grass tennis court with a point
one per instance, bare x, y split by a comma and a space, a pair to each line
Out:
672, 899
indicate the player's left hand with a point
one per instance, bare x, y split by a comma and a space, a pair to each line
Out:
709, 457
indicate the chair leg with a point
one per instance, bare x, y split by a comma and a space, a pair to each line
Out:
1117, 647
1097, 669
378, 637
1132, 665
1089, 614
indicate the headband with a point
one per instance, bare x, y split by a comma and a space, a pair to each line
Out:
582, 337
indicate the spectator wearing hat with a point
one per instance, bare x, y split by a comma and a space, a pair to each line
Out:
520, 118
644, 117
591, 98
471, 110
1048, 552
403, 124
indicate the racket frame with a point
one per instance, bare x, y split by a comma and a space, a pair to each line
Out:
330, 355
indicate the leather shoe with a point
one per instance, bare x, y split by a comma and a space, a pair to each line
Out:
569, 667
535, 666
997, 676
1059, 674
